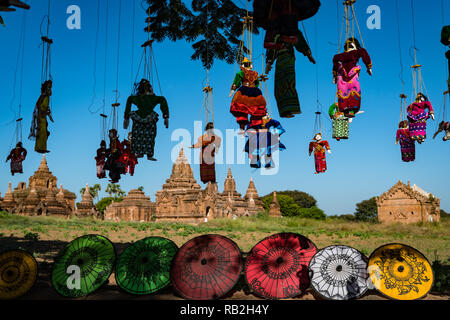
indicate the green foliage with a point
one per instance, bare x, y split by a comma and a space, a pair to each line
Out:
92, 190
31, 236
114, 190
312, 213
215, 26
442, 277
141, 188
367, 210
301, 199
105, 202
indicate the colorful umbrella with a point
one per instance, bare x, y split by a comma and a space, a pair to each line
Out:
18, 272
400, 272
277, 267
83, 266
144, 267
206, 267
339, 273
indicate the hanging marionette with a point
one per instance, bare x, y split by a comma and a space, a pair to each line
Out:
417, 116
346, 75
407, 145
100, 160
445, 40
281, 50
145, 119
113, 165
248, 100
128, 158
340, 123
39, 125
262, 141
17, 156
319, 146
443, 126
210, 144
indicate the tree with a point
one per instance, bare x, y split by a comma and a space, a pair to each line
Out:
114, 190
92, 190
218, 24
141, 188
302, 199
367, 210
105, 202
312, 213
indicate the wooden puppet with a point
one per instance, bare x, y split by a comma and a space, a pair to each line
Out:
319, 146
407, 145
443, 126
145, 119
17, 156
418, 115
113, 165
39, 125
210, 144
100, 160
248, 99
346, 75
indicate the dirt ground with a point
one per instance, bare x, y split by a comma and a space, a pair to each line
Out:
48, 249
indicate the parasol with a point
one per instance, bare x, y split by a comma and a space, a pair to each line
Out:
18, 272
144, 267
400, 272
339, 273
277, 267
83, 266
206, 267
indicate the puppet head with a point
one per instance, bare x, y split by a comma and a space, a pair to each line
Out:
209, 126
247, 64
351, 44
421, 97
145, 88
318, 137
103, 144
403, 124
19, 145
113, 134
46, 88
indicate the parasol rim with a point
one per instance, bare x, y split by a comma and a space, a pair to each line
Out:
55, 261
35, 274
241, 265
250, 253
121, 288
410, 247
311, 272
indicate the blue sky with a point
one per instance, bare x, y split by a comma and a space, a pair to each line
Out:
368, 164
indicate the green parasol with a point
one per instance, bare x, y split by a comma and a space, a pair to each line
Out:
144, 267
83, 266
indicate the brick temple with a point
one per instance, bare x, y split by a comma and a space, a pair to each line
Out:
407, 204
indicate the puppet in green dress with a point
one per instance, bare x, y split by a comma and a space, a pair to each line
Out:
39, 125
145, 119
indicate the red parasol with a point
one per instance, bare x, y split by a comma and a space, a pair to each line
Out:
277, 267
206, 267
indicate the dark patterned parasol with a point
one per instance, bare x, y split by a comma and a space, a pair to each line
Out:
277, 267
83, 266
400, 272
206, 267
339, 273
144, 267
18, 272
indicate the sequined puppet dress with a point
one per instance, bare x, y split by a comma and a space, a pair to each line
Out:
418, 115
39, 125
100, 160
319, 147
145, 119
407, 145
262, 141
17, 156
248, 99
209, 144
346, 74
128, 158
113, 165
